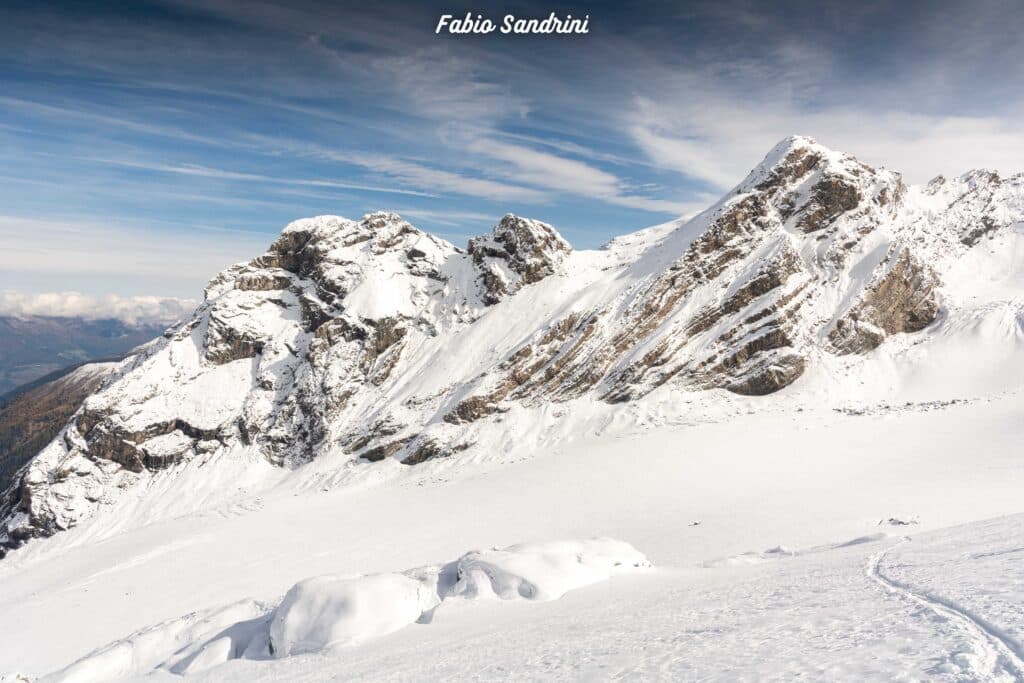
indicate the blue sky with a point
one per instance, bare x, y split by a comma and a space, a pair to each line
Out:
144, 146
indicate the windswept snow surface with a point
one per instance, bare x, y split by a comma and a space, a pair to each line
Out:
808, 492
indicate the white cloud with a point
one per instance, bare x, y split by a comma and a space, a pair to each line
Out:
430, 180
549, 170
451, 90
450, 218
530, 166
420, 175
525, 174
466, 109
132, 310
42, 254
572, 148
222, 174
673, 145
715, 132
76, 113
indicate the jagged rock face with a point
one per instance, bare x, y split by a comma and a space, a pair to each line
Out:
761, 258
831, 197
430, 448
371, 340
518, 252
975, 206
903, 297
289, 354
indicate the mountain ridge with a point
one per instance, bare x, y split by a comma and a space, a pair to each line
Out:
366, 341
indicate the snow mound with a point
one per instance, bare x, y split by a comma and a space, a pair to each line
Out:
544, 571
325, 612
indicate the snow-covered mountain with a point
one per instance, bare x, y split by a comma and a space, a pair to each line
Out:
364, 347
32, 415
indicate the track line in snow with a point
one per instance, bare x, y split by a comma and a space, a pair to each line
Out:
1001, 656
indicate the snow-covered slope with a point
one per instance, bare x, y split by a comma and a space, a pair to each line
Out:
761, 529
352, 349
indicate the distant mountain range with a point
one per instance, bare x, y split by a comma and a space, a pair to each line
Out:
34, 346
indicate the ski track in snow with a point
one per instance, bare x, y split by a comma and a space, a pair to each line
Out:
1002, 658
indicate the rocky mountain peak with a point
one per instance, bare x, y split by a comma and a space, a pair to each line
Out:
789, 160
370, 340
307, 244
519, 251
795, 156
347, 263
976, 205
829, 204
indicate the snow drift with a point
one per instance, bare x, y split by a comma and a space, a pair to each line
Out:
327, 612
330, 611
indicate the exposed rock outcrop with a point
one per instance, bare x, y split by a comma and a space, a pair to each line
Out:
831, 197
518, 252
903, 297
429, 448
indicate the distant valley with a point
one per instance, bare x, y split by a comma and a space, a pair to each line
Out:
34, 346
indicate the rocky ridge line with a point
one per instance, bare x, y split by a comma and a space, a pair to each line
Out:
376, 340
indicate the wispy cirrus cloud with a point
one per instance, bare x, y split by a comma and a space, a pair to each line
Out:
451, 219
250, 113
412, 172
222, 174
112, 122
454, 91
421, 175
562, 174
